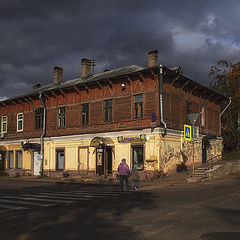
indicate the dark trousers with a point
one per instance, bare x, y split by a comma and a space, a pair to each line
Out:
122, 180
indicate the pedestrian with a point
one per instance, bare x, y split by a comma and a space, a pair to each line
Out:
123, 171
135, 177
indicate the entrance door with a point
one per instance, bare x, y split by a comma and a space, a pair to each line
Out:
108, 157
37, 163
83, 159
100, 161
2, 162
204, 151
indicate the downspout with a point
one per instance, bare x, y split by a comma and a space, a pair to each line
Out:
220, 125
44, 129
161, 100
230, 101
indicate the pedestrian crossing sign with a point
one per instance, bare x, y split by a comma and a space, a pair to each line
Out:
187, 132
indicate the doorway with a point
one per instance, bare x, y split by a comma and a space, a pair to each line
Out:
104, 160
2, 161
204, 151
138, 156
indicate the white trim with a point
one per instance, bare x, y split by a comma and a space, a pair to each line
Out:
20, 120
2, 124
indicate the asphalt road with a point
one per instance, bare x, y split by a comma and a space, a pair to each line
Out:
35, 210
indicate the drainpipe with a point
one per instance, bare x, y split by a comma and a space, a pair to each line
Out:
230, 101
161, 100
44, 129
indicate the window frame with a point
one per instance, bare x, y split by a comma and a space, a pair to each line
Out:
4, 122
62, 117
59, 150
85, 114
8, 159
138, 107
38, 117
108, 111
20, 120
17, 160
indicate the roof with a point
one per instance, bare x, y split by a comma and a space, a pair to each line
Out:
111, 74
93, 78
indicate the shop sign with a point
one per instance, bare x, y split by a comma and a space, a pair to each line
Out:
129, 139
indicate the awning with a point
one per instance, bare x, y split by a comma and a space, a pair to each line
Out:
101, 141
31, 146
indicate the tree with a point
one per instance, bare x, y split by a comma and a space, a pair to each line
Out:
226, 80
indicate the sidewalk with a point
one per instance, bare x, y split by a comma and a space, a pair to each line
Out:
172, 179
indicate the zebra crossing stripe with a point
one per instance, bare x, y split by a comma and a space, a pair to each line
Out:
54, 198
22, 197
26, 203
11, 207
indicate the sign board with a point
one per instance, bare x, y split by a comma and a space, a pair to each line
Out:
193, 117
141, 138
187, 132
196, 132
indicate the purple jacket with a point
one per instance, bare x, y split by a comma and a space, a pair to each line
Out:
123, 169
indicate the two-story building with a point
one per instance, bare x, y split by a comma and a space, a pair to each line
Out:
86, 125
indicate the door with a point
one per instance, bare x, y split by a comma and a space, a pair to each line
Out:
99, 161
83, 164
108, 157
37, 164
204, 151
2, 162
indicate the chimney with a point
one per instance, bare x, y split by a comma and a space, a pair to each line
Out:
86, 66
58, 75
153, 58
36, 86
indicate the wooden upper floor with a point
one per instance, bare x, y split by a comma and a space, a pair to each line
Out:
122, 99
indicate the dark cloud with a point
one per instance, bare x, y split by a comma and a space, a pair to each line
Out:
38, 35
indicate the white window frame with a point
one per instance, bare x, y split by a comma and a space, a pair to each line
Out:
19, 120
4, 122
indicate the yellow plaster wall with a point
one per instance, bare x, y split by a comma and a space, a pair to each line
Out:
122, 150
26, 156
71, 157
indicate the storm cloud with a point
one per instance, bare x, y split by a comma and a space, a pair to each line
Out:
38, 35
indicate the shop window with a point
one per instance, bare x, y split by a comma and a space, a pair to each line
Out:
18, 158
61, 117
60, 160
137, 157
108, 110
20, 122
4, 124
138, 106
39, 118
10, 159
85, 113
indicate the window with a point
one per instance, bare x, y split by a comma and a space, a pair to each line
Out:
138, 157
108, 110
138, 106
61, 117
10, 163
4, 124
20, 122
85, 113
202, 116
18, 158
39, 118
60, 160
189, 107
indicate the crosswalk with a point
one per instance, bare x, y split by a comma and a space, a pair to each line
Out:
50, 198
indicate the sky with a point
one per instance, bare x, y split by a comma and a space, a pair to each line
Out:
39, 35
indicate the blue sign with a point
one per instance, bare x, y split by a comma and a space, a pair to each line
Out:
187, 132
154, 117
